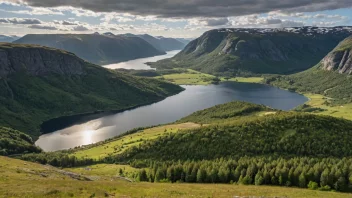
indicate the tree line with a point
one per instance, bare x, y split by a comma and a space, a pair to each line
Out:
304, 172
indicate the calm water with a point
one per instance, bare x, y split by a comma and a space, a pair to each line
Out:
194, 98
139, 63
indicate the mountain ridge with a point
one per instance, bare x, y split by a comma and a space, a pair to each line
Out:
251, 51
161, 43
95, 48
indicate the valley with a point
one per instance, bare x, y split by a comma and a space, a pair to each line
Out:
237, 112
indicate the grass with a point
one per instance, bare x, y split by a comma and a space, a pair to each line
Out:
25, 179
319, 101
192, 77
245, 79
104, 170
125, 142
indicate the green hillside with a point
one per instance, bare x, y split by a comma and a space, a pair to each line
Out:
41, 84
330, 77
328, 83
248, 52
281, 134
15, 142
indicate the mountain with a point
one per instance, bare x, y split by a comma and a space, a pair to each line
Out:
40, 83
8, 39
161, 43
234, 52
95, 48
330, 77
185, 40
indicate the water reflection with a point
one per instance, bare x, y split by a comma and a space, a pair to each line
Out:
140, 63
194, 98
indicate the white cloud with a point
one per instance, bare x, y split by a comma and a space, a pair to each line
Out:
22, 21
80, 28
43, 27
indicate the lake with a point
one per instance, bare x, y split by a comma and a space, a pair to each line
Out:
194, 98
139, 63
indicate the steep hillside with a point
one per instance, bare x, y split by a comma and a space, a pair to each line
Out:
15, 142
95, 48
340, 59
161, 43
330, 77
232, 52
39, 83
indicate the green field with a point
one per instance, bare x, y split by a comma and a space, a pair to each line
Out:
125, 142
192, 77
25, 179
339, 111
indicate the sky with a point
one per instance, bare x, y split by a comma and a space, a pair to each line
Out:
169, 18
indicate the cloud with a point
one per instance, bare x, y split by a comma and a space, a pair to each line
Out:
43, 27
217, 22
194, 8
18, 21
36, 11
69, 23
256, 21
80, 28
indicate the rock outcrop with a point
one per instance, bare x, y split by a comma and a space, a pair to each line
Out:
340, 59
38, 61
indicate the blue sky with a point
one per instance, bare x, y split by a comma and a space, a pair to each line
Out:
35, 17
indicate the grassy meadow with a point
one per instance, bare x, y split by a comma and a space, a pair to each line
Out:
121, 144
25, 179
319, 101
192, 77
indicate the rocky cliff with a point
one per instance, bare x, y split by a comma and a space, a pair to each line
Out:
340, 59
38, 61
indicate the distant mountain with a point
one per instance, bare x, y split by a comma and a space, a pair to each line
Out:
161, 43
8, 39
185, 40
243, 52
96, 48
330, 77
39, 83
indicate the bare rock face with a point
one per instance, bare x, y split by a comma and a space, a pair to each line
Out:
340, 59
38, 61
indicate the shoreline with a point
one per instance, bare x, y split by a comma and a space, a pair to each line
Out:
62, 122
